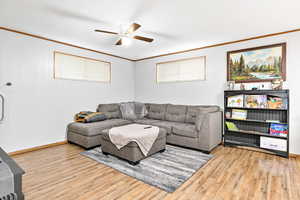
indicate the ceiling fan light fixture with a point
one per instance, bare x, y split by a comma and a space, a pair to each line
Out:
127, 37
126, 41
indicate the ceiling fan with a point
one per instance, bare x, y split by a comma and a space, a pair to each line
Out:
127, 34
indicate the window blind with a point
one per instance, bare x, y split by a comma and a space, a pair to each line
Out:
80, 68
191, 69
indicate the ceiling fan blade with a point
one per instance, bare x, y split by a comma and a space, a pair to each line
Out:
109, 32
145, 39
133, 27
119, 42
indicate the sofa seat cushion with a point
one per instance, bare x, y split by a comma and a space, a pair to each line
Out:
157, 111
166, 125
111, 111
95, 128
187, 130
176, 113
146, 121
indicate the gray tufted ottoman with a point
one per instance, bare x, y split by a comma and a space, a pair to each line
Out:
131, 152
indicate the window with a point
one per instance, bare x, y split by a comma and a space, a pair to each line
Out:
72, 67
191, 69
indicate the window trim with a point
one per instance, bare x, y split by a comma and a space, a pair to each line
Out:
183, 59
87, 58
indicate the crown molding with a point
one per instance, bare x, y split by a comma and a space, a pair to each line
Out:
63, 43
220, 44
151, 57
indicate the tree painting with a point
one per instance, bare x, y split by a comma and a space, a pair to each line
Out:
257, 64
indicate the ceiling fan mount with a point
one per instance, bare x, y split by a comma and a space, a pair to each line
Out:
127, 34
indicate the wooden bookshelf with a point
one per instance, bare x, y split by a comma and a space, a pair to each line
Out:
255, 129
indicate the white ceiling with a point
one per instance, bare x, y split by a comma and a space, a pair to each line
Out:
174, 24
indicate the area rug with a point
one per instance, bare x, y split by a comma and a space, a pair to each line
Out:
167, 170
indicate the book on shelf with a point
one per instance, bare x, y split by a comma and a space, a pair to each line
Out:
275, 102
255, 101
239, 114
235, 101
274, 121
231, 126
279, 130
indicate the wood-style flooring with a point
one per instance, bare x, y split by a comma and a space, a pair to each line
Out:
61, 173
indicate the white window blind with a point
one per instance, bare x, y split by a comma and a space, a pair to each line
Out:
191, 69
72, 67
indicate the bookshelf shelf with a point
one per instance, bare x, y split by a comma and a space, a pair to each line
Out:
257, 133
254, 130
244, 144
254, 120
244, 108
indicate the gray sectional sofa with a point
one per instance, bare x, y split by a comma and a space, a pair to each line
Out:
197, 127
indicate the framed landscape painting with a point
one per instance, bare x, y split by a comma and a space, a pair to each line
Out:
257, 64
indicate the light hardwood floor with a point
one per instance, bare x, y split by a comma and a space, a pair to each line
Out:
61, 172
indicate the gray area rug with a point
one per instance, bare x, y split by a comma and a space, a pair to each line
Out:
167, 170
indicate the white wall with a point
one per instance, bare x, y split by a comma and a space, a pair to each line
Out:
211, 90
38, 108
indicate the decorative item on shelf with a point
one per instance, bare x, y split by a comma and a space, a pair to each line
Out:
274, 144
228, 114
257, 64
277, 84
236, 101
256, 101
279, 130
230, 85
242, 86
239, 114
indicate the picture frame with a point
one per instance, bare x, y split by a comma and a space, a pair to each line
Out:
258, 64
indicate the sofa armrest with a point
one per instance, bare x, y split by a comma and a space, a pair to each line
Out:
209, 128
203, 117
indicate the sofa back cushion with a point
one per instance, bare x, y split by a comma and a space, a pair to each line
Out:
128, 110
156, 111
140, 110
110, 110
192, 112
176, 113
147, 107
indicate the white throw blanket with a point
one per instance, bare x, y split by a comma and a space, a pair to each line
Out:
121, 136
